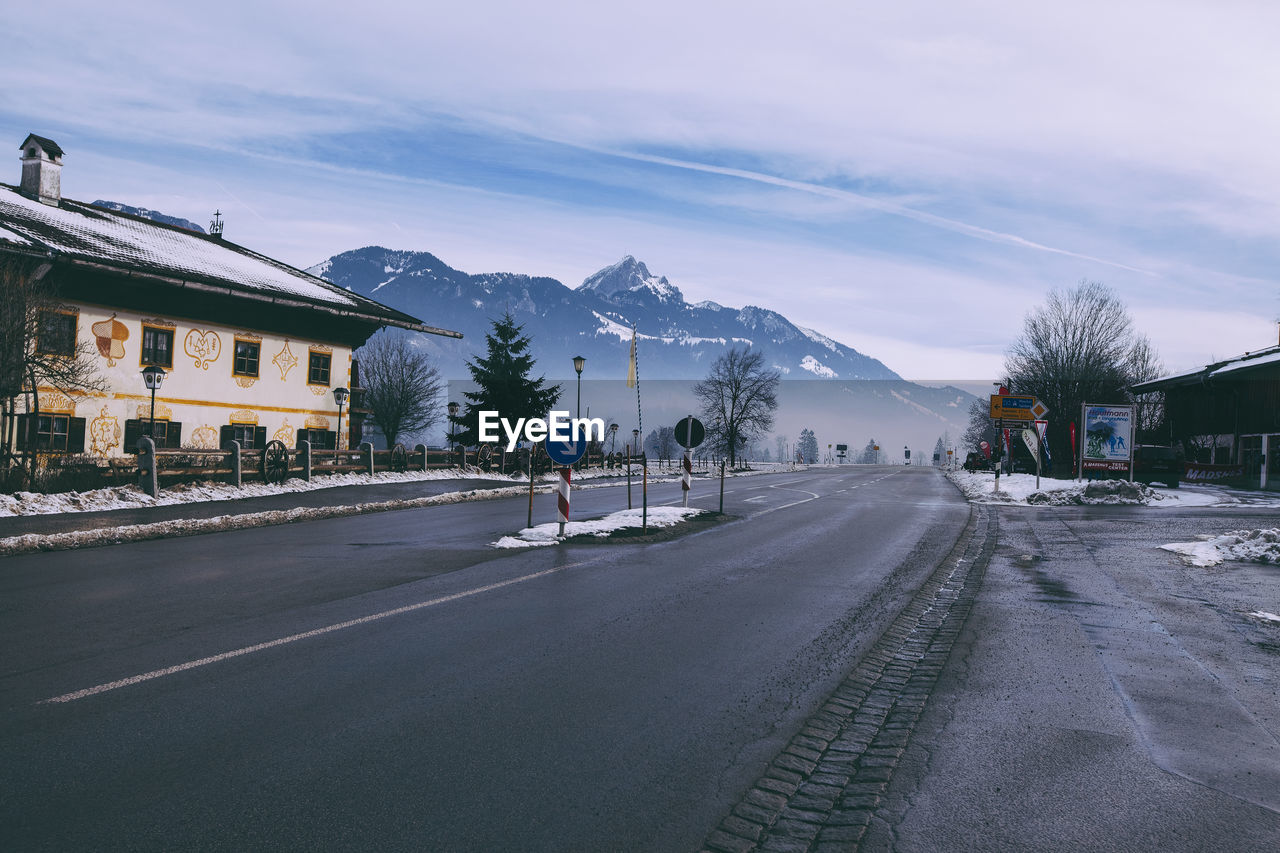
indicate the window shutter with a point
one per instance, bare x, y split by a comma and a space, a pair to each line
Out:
173, 438
259, 437
26, 427
132, 432
75, 435
226, 436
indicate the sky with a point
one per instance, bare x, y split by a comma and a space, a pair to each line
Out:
910, 179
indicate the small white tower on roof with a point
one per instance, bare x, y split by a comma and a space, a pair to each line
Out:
41, 170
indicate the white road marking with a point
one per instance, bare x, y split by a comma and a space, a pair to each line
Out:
305, 635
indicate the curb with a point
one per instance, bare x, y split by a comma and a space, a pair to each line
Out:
822, 791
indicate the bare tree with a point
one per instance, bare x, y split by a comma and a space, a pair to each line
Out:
401, 386
979, 428
661, 443
1079, 347
738, 398
39, 347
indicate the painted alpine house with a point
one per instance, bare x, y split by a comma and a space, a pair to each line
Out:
252, 348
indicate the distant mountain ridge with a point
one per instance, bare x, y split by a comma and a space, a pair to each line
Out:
677, 340
153, 215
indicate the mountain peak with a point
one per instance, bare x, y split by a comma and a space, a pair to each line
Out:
629, 280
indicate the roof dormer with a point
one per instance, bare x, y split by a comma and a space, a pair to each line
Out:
41, 169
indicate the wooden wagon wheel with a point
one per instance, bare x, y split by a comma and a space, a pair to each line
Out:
399, 459
275, 462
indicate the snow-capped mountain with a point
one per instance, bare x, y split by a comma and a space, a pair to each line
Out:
676, 340
153, 215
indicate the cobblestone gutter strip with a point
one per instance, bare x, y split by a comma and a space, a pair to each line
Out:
31, 542
820, 793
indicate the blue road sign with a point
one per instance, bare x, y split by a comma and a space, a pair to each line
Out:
566, 452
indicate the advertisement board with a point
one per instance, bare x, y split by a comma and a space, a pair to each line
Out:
1108, 437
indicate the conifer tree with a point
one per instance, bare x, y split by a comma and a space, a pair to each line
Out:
504, 383
808, 446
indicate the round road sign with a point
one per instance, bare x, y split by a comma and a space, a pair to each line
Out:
566, 452
685, 437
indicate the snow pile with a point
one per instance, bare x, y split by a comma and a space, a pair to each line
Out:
627, 519
1264, 616
132, 497
1253, 546
1021, 489
30, 542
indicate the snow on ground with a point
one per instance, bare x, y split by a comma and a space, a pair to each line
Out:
1264, 616
132, 497
29, 542
549, 534
1253, 546
978, 487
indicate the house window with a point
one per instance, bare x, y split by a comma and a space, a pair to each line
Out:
51, 433
57, 335
318, 368
157, 346
250, 436
246, 360
320, 439
168, 434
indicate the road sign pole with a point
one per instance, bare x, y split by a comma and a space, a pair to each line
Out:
722, 487
562, 503
628, 451
644, 500
533, 449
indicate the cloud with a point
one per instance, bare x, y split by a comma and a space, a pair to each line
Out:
955, 158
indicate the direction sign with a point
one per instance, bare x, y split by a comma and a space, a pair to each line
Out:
566, 452
687, 438
1010, 407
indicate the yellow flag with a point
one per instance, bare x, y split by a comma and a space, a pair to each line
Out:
631, 369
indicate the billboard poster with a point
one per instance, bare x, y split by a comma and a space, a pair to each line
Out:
1108, 437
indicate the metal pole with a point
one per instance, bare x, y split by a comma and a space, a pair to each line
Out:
532, 451
722, 487
644, 501
152, 434
628, 451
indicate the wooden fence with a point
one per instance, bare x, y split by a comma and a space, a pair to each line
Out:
276, 463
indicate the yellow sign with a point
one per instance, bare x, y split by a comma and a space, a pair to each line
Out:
1008, 407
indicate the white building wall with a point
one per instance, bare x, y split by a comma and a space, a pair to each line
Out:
200, 390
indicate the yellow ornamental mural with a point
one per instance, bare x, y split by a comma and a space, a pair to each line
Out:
110, 335
285, 434
163, 412
202, 346
285, 360
204, 438
104, 433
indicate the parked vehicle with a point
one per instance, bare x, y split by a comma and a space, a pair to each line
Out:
1154, 463
975, 461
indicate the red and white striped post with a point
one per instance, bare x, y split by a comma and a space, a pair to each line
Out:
562, 503
686, 478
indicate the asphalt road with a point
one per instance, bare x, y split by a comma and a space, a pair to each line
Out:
390, 682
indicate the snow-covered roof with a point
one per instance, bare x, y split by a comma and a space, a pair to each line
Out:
82, 232
1248, 361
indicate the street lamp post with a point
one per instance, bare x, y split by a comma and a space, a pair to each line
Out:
453, 413
340, 396
153, 378
613, 438
578, 363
